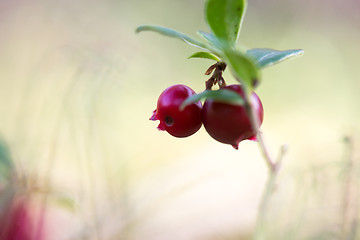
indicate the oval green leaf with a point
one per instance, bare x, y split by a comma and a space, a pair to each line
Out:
225, 18
175, 34
210, 38
265, 57
205, 55
243, 68
221, 95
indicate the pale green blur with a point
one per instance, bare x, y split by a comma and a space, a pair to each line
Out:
77, 87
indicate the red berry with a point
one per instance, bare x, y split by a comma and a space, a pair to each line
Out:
16, 222
228, 123
175, 122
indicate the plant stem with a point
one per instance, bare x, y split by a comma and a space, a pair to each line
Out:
350, 194
273, 167
263, 208
267, 193
255, 123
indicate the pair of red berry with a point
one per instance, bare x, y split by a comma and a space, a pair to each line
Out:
224, 122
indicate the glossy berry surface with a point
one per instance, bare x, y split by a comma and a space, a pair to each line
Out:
177, 123
228, 123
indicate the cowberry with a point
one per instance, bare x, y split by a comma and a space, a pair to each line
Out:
16, 222
176, 122
229, 123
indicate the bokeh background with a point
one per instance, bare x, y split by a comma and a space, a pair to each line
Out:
77, 87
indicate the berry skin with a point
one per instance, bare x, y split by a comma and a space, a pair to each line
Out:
175, 122
228, 123
16, 222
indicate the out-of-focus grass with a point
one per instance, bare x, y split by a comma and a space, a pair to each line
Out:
77, 87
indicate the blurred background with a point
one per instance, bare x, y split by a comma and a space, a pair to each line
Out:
77, 87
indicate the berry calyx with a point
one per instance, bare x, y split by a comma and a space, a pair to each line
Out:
230, 124
177, 123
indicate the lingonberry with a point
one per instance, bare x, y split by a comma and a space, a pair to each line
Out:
16, 222
177, 123
228, 123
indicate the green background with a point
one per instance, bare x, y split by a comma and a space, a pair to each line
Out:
77, 87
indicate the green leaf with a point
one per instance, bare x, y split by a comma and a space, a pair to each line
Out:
221, 95
265, 57
243, 68
175, 34
206, 55
225, 18
210, 38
